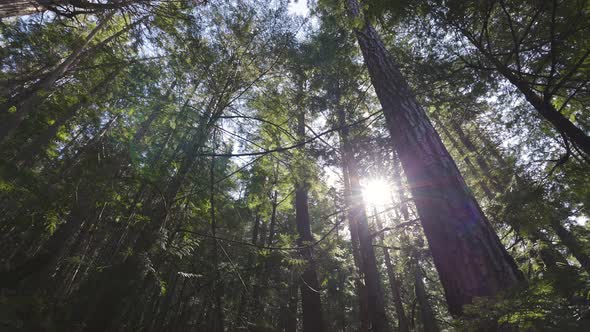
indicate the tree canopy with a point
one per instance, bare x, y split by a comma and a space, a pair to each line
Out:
274, 165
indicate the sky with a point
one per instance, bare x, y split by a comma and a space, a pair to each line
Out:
299, 8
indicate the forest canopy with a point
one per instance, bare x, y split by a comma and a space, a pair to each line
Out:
274, 165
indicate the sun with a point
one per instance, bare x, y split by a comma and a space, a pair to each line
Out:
376, 192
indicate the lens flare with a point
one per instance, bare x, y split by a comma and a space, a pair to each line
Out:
376, 192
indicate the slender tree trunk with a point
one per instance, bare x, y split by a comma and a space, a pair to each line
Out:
273, 220
393, 283
543, 104
354, 239
28, 153
572, 244
479, 159
548, 254
310, 288
426, 313
46, 259
291, 311
468, 254
219, 315
358, 217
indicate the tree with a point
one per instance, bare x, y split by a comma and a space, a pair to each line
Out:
456, 229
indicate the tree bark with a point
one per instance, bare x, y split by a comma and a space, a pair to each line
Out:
354, 239
309, 286
470, 259
426, 313
542, 104
393, 283
572, 244
358, 217
219, 315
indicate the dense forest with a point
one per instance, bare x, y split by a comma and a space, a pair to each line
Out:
315, 166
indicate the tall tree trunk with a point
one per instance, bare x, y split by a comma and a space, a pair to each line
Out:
290, 310
357, 216
470, 259
479, 159
393, 282
273, 219
426, 313
118, 283
361, 290
572, 244
310, 287
218, 285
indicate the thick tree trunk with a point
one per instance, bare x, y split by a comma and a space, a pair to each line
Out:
310, 287
468, 255
357, 216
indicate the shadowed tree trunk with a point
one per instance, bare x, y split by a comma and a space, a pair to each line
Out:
361, 290
426, 313
310, 288
357, 216
393, 282
572, 244
470, 259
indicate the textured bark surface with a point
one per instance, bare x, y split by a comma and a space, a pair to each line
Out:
470, 259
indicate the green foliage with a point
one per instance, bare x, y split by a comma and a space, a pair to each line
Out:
141, 187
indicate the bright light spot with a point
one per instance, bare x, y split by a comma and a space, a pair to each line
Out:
298, 7
376, 192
